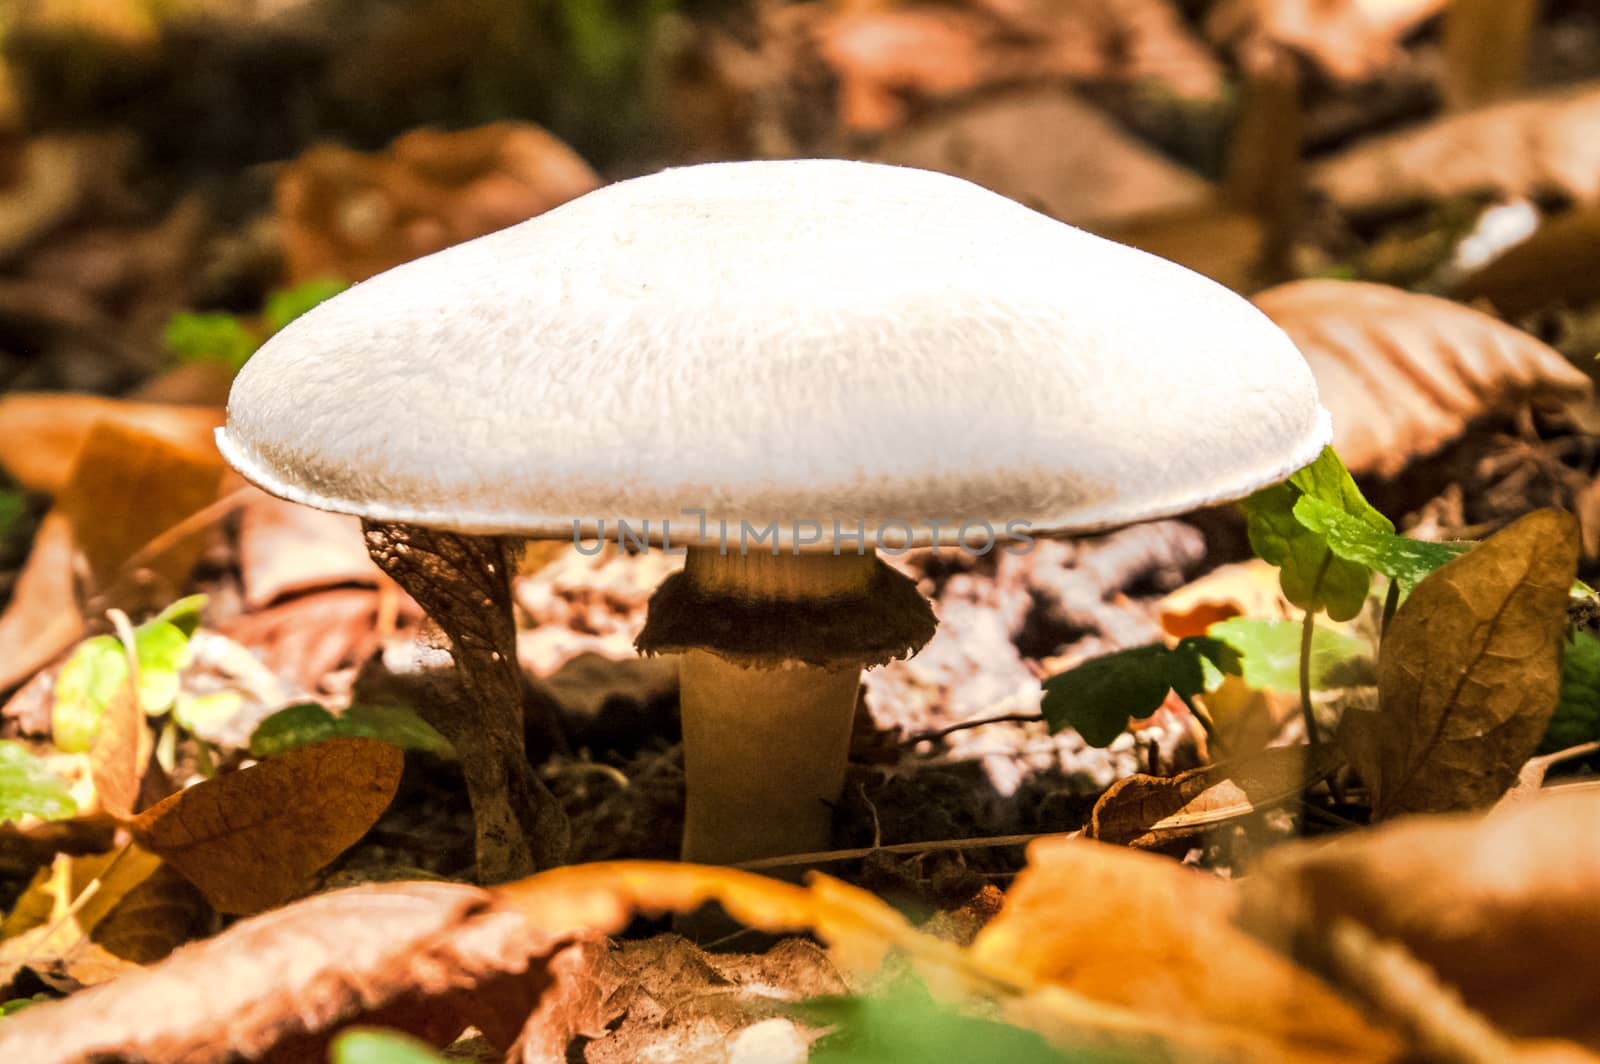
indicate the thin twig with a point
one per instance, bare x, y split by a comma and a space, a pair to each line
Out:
935, 734
831, 856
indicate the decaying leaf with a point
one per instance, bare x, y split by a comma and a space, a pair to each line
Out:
122, 748
285, 549
1149, 811
350, 215
1538, 146
253, 839
1085, 171
1432, 364
426, 958
1500, 907
1468, 673
1157, 939
1216, 239
1350, 39
1559, 265
137, 913
41, 434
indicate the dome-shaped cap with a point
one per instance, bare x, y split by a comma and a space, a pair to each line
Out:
810, 341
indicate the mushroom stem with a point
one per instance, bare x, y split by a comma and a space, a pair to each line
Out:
772, 650
463, 583
764, 751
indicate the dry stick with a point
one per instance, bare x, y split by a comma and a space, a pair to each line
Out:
831, 856
950, 729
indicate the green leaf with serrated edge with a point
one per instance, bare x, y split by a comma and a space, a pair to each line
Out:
1270, 654
184, 614
29, 788
1313, 577
372, 1045
1101, 695
308, 722
287, 304
88, 682
1401, 558
903, 1024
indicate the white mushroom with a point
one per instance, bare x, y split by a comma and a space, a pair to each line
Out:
785, 367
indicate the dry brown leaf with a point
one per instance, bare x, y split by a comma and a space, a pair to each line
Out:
1350, 39
1241, 589
1559, 265
1468, 673
427, 958
1144, 934
122, 749
1500, 907
305, 638
139, 912
1150, 811
351, 215
41, 434
42, 618
1213, 238
1527, 148
1045, 148
285, 548
1434, 364
254, 838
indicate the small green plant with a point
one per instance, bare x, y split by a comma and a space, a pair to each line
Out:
29, 788
230, 339
308, 722
372, 1045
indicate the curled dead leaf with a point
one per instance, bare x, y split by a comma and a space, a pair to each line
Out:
254, 838
1350, 39
427, 958
350, 215
1149, 811
1468, 673
1517, 150
41, 434
1153, 937
1436, 364
1501, 907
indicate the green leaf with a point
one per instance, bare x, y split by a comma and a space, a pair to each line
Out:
287, 304
88, 682
184, 614
29, 788
18, 1004
1269, 652
162, 650
372, 1045
1313, 577
1577, 716
308, 722
1101, 695
206, 714
210, 337
904, 1025
1403, 559
13, 504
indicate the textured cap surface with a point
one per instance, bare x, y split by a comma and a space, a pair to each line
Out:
798, 341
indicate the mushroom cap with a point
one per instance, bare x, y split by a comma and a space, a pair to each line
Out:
803, 341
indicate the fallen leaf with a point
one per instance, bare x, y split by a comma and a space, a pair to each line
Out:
429, 959
1086, 171
286, 549
1153, 937
254, 838
1523, 149
304, 638
351, 215
29, 789
1240, 589
41, 434
1468, 673
1437, 364
1350, 39
129, 486
1146, 812
122, 748
1500, 907
42, 619
1222, 242
1559, 265
137, 913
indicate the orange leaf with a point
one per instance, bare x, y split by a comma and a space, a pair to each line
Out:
41, 434
253, 839
1437, 365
